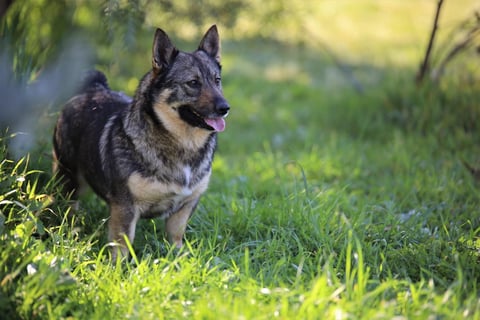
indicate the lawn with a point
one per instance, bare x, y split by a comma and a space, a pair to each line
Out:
338, 190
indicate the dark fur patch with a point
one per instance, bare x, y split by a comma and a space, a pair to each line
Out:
192, 118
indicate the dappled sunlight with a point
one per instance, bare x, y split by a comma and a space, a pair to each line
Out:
276, 62
365, 33
84, 16
288, 71
380, 32
132, 84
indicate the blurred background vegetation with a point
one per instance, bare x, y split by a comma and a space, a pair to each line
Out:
35, 32
326, 45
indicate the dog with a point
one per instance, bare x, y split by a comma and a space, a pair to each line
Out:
151, 155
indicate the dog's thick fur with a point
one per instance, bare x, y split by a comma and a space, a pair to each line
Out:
149, 156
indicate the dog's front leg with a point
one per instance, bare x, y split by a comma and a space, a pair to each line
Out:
177, 223
123, 220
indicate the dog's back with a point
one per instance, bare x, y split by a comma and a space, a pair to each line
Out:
80, 127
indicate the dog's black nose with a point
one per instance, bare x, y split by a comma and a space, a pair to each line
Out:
221, 106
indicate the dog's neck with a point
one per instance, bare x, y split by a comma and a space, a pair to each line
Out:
156, 126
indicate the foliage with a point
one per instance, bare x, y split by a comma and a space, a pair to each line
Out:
35, 37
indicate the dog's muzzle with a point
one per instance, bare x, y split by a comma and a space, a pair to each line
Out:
217, 121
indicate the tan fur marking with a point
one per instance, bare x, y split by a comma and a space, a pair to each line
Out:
202, 185
151, 190
177, 223
190, 137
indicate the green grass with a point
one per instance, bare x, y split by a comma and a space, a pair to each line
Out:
324, 203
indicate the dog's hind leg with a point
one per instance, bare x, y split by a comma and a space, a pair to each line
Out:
69, 182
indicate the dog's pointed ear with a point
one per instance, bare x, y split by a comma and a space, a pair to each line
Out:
163, 52
211, 43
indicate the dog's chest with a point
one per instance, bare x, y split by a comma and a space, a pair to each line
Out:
156, 197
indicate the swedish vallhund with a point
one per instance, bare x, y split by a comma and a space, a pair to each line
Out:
150, 156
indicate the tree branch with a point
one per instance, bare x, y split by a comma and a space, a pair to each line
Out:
425, 65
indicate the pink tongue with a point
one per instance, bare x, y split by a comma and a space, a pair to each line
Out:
217, 123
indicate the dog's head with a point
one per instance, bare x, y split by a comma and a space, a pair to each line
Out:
187, 87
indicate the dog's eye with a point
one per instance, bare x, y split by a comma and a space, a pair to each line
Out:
218, 81
193, 83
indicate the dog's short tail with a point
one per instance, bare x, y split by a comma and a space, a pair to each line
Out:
93, 80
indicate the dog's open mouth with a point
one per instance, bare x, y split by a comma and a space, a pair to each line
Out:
210, 122
217, 124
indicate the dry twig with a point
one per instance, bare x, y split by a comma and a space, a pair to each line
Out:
426, 61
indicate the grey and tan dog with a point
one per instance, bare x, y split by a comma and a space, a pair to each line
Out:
149, 156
